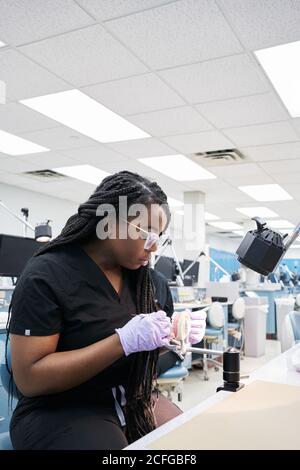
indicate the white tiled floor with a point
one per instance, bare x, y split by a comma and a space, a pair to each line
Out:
195, 389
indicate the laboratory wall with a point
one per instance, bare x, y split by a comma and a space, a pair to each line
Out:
41, 207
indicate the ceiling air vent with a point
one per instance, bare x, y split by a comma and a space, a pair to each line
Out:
219, 157
45, 174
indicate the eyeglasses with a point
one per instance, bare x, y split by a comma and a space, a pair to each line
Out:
151, 238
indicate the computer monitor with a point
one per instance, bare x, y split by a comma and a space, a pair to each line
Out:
14, 254
166, 266
193, 272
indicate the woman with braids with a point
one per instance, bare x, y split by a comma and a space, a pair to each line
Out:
85, 332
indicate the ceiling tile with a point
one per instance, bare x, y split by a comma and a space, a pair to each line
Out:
107, 9
48, 160
224, 192
293, 189
26, 21
231, 172
244, 111
84, 57
17, 119
263, 23
284, 166
262, 134
95, 155
183, 120
15, 180
177, 33
25, 79
296, 124
218, 79
286, 178
134, 95
265, 153
16, 165
167, 184
142, 148
245, 180
59, 138
201, 142
286, 209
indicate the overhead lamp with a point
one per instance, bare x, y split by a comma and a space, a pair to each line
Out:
42, 231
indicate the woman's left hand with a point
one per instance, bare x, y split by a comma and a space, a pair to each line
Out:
197, 327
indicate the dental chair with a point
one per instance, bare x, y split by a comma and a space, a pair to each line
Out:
172, 380
214, 334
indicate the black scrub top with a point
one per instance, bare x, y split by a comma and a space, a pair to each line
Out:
162, 292
64, 291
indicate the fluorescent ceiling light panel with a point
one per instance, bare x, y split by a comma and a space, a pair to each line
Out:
2, 44
282, 65
266, 192
208, 216
257, 211
86, 173
174, 202
85, 115
178, 167
280, 224
13, 145
226, 225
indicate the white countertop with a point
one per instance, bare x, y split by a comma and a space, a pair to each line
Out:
275, 370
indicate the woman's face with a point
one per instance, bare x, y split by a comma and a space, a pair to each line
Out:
130, 252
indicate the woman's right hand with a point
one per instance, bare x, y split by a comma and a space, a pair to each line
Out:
145, 332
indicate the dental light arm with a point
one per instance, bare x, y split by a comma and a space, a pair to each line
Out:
21, 219
168, 243
210, 259
42, 231
263, 248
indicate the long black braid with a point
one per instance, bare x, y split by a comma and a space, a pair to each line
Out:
82, 226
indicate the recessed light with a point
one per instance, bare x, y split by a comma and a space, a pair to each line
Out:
174, 202
178, 167
266, 192
85, 115
256, 211
13, 145
280, 224
86, 173
208, 216
226, 225
281, 64
2, 44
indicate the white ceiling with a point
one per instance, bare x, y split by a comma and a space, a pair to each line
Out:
182, 70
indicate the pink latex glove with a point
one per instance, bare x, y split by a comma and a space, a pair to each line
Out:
145, 332
198, 325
